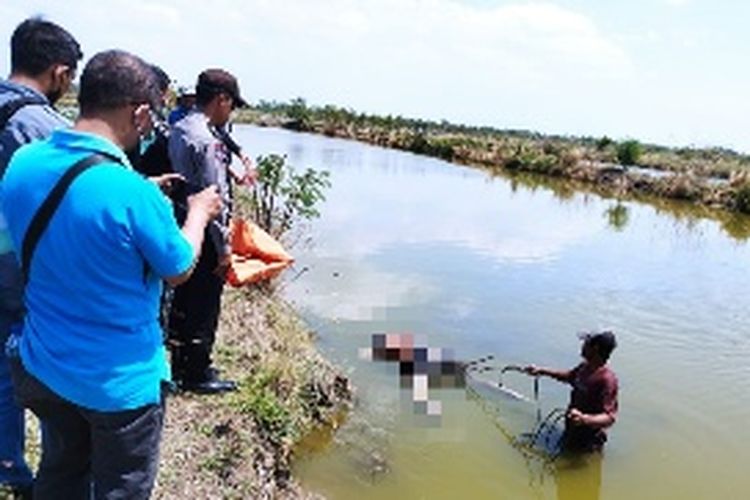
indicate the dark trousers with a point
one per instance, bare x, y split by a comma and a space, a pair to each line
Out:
194, 318
90, 454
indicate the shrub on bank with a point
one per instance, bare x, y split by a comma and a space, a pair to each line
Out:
282, 197
629, 152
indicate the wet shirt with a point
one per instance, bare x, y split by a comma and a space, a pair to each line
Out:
91, 331
203, 159
594, 391
29, 123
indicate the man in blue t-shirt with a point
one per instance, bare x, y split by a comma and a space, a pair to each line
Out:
44, 58
90, 362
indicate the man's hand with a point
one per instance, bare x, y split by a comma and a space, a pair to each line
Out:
251, 174
206, 202
532, 370
202, 207
166, 182
577, 417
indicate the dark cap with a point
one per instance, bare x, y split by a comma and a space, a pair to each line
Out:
604, 340
216, 81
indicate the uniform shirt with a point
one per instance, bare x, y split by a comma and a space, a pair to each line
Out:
203, 159
29, 123
91, 332
177, 114
594, 391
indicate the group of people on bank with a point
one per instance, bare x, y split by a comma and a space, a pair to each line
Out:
95, 218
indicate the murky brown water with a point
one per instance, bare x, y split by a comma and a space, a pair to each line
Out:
515, 268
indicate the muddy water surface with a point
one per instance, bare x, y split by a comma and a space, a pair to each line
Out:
515, 267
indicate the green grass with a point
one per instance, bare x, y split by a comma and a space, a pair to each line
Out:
257, 397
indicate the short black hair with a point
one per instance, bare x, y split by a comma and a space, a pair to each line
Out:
115, 78
162, 78
604, 342
204, 95
37, 44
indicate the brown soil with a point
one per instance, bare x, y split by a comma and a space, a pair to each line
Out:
240, 445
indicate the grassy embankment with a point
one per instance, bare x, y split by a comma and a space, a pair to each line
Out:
717, 178
240, 445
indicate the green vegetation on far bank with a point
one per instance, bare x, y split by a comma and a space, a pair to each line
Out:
714, 177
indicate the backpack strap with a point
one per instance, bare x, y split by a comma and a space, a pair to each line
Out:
10, 108
44, 214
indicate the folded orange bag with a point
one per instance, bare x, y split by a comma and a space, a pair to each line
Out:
256, 255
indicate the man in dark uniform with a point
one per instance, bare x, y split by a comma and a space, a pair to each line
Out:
199, 153
593, 399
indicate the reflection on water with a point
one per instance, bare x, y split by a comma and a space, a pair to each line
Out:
684, 214
514, 266
617, 216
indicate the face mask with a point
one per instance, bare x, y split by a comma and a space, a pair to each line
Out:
135, 153
145, 142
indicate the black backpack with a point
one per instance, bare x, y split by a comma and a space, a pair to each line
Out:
8, 109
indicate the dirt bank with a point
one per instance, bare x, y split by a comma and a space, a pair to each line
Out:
239, 445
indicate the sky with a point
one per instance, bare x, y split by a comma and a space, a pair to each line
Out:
672, 72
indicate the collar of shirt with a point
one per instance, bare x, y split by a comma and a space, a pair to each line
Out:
85, 141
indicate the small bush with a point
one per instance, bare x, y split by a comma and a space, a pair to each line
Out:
604, 143
281, 196
629, 152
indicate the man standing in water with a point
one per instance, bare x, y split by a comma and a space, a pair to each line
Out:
593, 400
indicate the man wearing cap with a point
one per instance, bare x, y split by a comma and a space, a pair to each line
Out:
593, 399
199, 153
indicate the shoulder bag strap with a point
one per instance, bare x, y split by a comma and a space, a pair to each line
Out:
44, 214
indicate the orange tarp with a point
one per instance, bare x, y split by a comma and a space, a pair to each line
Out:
256, 256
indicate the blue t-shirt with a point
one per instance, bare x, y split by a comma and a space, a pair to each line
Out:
91, 332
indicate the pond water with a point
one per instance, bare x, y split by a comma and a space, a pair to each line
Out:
514, 267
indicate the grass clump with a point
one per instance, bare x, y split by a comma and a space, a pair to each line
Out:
257, 397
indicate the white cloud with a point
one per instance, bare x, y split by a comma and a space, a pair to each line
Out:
536, 65
428, 38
